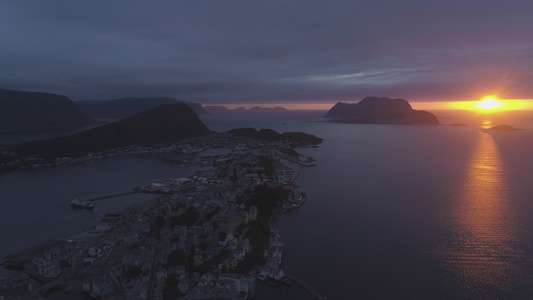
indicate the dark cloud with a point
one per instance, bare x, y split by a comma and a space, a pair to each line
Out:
278, 51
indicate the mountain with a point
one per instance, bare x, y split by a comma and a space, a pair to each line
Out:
164, 124
125, 107
376, 110
21, 110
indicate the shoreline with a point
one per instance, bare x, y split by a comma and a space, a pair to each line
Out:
74, 249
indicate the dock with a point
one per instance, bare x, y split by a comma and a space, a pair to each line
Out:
113, 195
128, 193
306, 286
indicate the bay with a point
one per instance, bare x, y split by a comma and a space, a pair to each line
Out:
35, 203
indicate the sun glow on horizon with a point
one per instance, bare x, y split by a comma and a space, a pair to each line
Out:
489, 103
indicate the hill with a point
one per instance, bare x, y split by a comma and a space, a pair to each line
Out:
20, 110
164, 124
126, 107
380, 110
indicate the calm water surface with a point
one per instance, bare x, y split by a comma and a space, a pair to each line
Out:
392, 212
411, 211
35, 205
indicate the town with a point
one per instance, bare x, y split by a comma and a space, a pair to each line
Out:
204, 236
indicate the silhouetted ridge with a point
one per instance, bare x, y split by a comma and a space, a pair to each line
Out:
126, 107
272, 135
380, 110
163, 124
21, 110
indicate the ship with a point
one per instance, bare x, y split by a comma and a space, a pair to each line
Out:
299, 200
77, 204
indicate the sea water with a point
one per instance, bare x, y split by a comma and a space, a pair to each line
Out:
392, 211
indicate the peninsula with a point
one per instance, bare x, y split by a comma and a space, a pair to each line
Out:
380, 110
206, 236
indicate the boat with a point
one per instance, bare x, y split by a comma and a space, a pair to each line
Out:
77, 204
300, 200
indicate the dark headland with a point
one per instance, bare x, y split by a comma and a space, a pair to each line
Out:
164, 124
380, 110
20, 110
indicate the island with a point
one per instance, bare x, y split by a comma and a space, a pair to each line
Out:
503, 127
223, 109
380, 110
21, 110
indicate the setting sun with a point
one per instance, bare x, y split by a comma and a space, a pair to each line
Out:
489, 103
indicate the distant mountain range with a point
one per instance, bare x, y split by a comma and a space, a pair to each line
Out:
164, 124
380, 110
116, 109
220, 108
20, 110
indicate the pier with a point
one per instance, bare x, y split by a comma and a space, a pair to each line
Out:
306, 286
113, 195
128, 193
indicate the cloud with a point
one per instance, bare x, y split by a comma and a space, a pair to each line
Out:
242, 51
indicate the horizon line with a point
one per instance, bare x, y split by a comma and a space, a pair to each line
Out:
509, 105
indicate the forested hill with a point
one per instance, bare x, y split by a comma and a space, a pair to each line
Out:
163, 124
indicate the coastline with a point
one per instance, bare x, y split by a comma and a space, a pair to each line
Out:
89, 245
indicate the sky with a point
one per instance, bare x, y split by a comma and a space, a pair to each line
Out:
232, 52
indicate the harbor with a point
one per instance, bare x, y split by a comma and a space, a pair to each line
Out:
214, 219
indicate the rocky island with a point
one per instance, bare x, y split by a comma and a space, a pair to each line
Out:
380, 110
503, 127
223, 109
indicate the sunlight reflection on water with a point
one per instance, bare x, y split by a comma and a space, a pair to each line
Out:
482, 254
